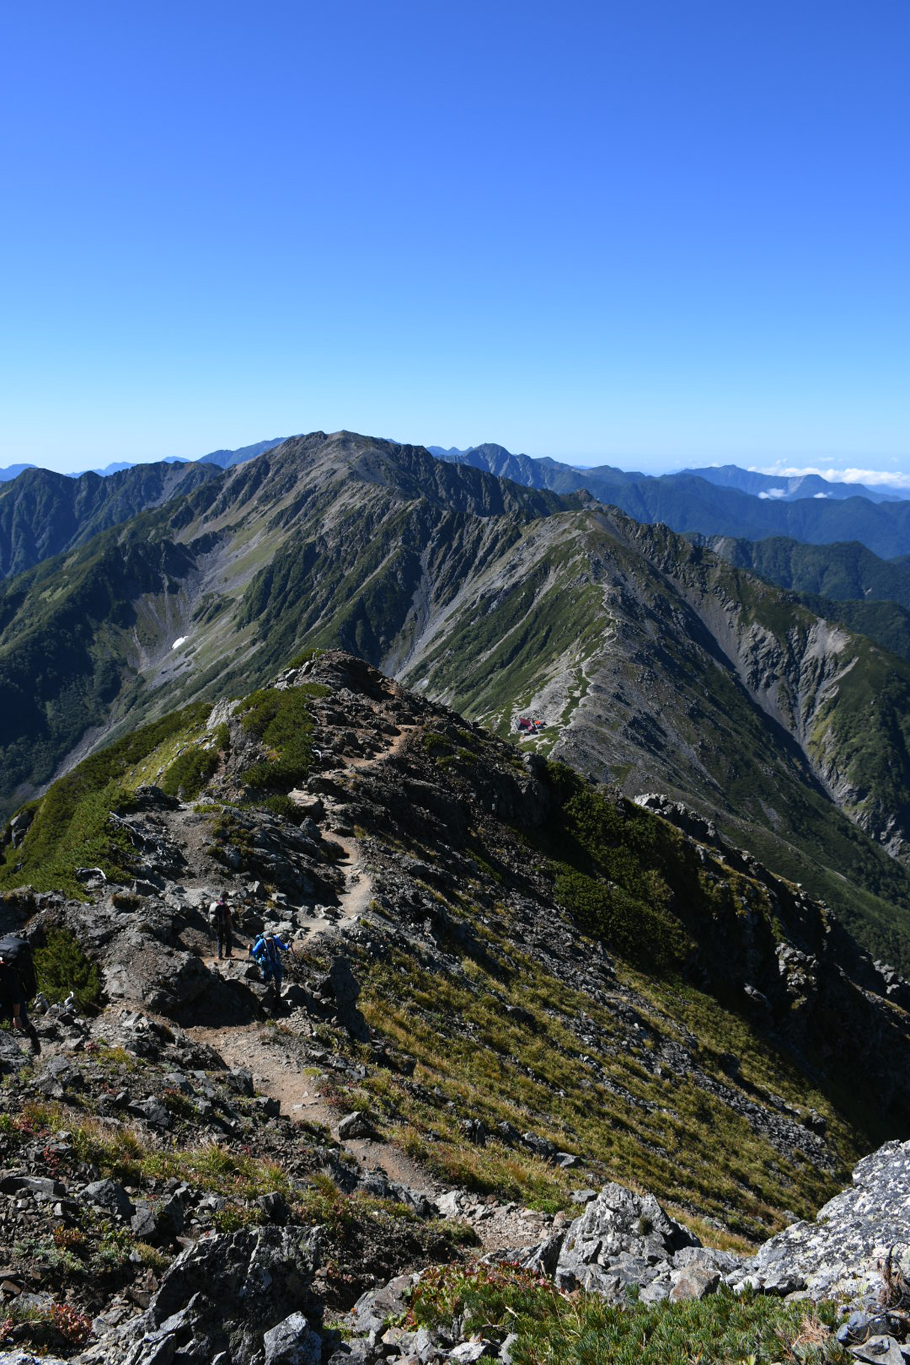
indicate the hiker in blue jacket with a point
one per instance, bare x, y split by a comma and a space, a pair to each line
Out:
266, 953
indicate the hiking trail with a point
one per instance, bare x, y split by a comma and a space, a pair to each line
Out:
268, 1051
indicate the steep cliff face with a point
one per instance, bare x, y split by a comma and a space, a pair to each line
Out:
840, 698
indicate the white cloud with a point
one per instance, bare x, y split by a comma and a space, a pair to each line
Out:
819, 495
866, 476
773, 493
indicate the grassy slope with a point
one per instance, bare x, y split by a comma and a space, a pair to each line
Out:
567, 1065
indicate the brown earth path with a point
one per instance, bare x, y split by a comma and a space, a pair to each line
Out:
276, 1067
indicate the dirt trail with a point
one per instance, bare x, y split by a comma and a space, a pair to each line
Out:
358, 891
276, 1064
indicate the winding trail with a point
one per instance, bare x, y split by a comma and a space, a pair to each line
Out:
278, 1063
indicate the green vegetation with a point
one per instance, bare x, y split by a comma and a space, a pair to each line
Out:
61, 966
282, 722
554, 1328
192, 769
609, 873
72, 824
501, 1041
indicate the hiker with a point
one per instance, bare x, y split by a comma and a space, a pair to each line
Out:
266, 953
222, 926
18, 984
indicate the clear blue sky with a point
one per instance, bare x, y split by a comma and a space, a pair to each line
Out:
651, 233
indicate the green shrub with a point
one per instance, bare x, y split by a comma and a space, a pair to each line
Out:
609, 865
189, 773
62, 966
281, 720
554, 1328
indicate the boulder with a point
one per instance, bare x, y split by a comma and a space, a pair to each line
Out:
619, 1223
356, 1125
152, 1110
842, 1252
694, 1282
374, 1307
292, 1342
222, 1294
41, 1186
108, 1195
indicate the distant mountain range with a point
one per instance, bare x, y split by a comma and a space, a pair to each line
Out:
718, 501
224, 459
787, 488
651, 662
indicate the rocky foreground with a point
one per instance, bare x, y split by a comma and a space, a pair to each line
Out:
478, 1061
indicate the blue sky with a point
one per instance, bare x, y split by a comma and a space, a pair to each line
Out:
652, 234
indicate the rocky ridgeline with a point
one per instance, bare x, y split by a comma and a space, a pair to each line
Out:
132, 1145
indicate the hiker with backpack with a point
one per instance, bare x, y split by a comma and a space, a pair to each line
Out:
18, 984
222, 926
266, 953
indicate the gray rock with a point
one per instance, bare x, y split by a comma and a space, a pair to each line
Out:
884, 1350
223, 1293
152, 1110
292, 1342
268, 1106
507, 1348
356, 1125
449, 1204
12, 1058
108, 1195
21, 1357
143, 1224
42, 1187
170, 1217
655, 1292
539, 1146
353, 1353
840, 1253
694, 1282
373, 1308
616, 1226
475, 1131
240, 1081
473, 1350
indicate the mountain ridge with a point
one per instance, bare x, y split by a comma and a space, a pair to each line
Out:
693, 503
652, 663
508, 989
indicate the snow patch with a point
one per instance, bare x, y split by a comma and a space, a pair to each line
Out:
181, 641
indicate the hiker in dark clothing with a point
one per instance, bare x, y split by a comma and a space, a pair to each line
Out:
222, 924
13, 1004
17, 985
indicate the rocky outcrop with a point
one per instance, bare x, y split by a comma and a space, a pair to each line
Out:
626, 1242
230, 1297
853, 1252
843, 1252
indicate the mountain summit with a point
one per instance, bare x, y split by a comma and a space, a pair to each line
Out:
641, 658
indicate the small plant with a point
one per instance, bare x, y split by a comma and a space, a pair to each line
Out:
62, 967
68, 1239
126, 900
